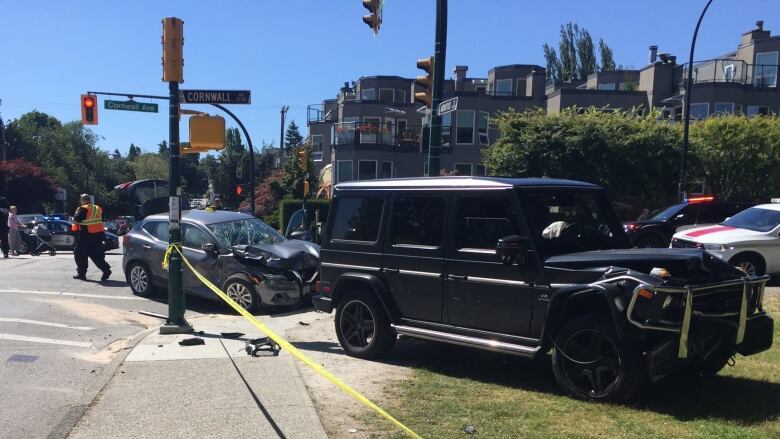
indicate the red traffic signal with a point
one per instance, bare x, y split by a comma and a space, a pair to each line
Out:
241, 190
89, 111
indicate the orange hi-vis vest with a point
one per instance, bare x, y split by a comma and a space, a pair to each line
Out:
94, 220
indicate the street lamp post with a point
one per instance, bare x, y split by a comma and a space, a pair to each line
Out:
439, 55
687, 107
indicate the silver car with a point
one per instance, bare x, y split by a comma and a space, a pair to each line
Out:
253, 263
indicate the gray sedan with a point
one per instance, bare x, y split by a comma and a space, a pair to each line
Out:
253, 263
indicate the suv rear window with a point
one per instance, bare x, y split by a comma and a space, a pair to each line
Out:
418, 221
357, 219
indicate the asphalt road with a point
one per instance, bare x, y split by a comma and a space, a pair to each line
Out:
58, 340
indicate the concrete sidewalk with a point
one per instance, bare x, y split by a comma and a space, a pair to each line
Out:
166, 390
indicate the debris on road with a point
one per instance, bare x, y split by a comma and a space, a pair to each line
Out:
231, 334
193, 341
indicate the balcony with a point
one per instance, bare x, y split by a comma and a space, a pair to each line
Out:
731, 71
366, 133
317, 113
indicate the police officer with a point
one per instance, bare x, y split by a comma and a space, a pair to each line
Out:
216, 205
90, 234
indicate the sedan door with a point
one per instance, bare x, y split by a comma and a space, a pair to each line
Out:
413, 261
483, 293
192, 238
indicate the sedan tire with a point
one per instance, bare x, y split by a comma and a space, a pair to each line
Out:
140, 279
243, 292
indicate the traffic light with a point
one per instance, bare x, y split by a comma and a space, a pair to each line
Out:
207, 132
89, 110
374, 19
426, 81
173, 50
242, 190
303, 160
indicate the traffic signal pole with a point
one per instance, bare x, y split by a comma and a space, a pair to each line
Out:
251, 156
434, 145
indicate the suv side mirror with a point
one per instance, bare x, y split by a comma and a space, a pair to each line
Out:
512, 249
209, 248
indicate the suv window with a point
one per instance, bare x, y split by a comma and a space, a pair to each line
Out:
481, 221
418, 221
357, 219
158, 229
193, 237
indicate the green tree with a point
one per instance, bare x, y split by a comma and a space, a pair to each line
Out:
163, 149
293, 137
133, 152
586, 54
292, 181
150, 166
737, 156
607, 60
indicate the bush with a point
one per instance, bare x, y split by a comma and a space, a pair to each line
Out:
288, 207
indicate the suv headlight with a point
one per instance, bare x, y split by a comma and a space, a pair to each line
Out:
715, 247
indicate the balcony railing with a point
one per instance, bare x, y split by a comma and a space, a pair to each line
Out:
368, 133
731, 71
321, 113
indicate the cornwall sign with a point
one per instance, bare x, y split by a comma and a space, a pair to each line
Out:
130, 106
216, 96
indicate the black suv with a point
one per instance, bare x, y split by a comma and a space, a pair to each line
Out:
523, 266
657, 231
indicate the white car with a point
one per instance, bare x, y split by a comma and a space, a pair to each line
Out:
750, 240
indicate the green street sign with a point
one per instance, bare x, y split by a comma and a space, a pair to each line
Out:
130, 106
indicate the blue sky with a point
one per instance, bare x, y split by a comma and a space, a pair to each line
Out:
297, 52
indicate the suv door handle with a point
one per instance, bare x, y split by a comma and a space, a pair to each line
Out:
457, 277
390, 269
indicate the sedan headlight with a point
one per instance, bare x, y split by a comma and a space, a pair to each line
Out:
715, 247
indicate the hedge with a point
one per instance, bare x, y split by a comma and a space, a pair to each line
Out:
288, 207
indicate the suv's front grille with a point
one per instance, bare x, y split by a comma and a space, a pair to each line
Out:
727, 300
682, 243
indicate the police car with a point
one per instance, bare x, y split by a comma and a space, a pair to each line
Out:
750, 240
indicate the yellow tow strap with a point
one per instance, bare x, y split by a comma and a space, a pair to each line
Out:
287, 346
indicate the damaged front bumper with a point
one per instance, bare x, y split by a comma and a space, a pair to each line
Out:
735, 303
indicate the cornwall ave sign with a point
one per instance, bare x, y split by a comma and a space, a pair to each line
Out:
130, 106
216, 96
448, 106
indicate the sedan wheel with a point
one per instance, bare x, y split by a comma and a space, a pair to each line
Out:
140, 280
242, 293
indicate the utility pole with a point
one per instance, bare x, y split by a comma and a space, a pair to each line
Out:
283, 112
439, 54
2, 132
173, 61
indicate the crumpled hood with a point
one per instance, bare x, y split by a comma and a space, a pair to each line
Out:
683, 263
289, 254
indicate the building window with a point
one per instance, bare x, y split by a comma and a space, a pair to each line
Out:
607, 86
317, 144
756, 110
446, 126
480, 89
728, 72
766, 69
387, 170
463, 168
700, 110
504, 87
387, 95
723, 108
464, 127
520, 88
367, 170
368, 94
344, 171
483, 127
400, 96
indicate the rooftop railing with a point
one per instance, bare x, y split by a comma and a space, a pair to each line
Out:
731, 71
370, 133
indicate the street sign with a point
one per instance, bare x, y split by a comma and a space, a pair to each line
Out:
216, 96
130, 106
448, 106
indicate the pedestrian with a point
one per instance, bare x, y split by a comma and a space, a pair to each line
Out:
15, 228
216, 205
90, 234
4, 229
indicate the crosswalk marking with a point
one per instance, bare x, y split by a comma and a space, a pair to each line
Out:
15, 337
42, 323
58, 293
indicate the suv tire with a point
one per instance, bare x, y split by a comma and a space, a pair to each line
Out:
362, 326
597, 365
140, 279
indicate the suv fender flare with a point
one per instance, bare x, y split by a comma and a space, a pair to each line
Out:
369, 283
601, 297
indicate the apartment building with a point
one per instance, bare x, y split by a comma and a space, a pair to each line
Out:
374, 129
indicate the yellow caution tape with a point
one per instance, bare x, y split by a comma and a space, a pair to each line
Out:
167, 256
290, 348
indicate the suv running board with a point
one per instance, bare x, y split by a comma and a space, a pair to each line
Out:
464, 340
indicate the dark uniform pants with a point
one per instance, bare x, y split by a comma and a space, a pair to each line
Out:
90, 246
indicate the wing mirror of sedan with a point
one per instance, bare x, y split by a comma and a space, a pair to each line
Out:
512, 249
210, 248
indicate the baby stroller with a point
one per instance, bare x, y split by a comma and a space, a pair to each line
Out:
38, 241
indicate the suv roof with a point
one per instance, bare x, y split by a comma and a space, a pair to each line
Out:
462, 182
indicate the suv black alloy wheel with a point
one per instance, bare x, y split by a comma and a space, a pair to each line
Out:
362, 326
